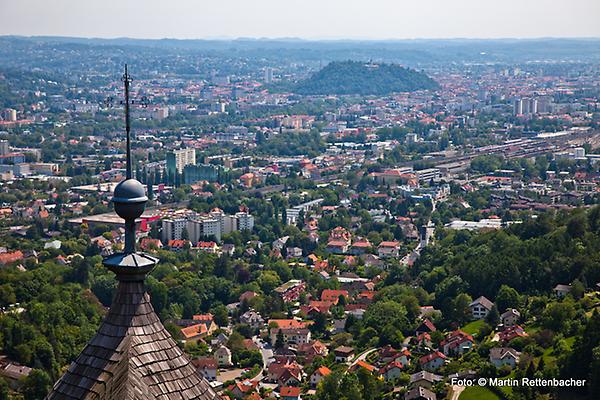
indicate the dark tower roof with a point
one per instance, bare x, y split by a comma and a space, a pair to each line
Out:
132, 357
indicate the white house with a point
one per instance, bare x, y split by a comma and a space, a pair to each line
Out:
223, 356
500, 356
480, 307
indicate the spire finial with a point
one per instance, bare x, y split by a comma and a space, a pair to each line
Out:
127, 80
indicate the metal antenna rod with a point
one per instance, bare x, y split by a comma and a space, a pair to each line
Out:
127, 80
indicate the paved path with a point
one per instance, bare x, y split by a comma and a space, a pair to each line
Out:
456, 391
362, 356
266, 353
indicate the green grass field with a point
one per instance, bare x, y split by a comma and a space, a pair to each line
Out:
478, 393
472, 328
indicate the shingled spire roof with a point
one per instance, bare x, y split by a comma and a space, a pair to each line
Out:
132, 357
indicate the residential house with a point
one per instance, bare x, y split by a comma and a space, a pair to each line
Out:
319, 374
337, 247
388, 249
343, 354
149, 244
293, 252
208, 247
423, 341
391, 371
293, 331
425, 327
223, 356
14, 374
291, 290
252, 318
457, 343
11, 257
207, 320
432, 361
178, 244
388, 354
339, 326
424, 379
480, 307
360, 246
365, 365
241, 390
207, 367
511, 333
308, 351
561, 290
510, 317
284, 372
290, 393
333, 295
194, 333
500, 356
420, 393
247, 296
228, 248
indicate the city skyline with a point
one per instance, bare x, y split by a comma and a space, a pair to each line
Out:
335, 19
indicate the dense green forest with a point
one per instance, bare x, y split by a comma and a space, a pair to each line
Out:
351, 77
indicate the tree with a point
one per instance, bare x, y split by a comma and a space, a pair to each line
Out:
220, 315
37, 385
3, 390
461, 312
493, 317
279, 340
185, 235
577, 225
150, 188
507, 297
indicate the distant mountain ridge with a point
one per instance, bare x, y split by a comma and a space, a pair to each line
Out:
353, 77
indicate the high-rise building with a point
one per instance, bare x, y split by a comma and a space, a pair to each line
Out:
245, 221
178, 159
4, 147
172, 229
268, 75
518, 107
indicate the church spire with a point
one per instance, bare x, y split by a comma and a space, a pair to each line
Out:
132, 356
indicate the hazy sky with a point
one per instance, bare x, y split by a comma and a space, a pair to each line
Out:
313, 19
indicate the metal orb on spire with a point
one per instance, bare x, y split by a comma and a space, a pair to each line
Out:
130, 202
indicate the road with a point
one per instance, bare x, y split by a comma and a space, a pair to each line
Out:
362, 356
230, 374
267, 355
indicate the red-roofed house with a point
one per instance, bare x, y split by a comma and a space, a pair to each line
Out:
318, 375
207, 366
511, 333
426, 327
391, 371
208, 247
9, 258
240, 390
194, 333
458, 342
290, 393
432, 361
333, 295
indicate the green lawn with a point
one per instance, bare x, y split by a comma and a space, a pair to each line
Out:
549, 356
478, 393
472, 328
